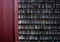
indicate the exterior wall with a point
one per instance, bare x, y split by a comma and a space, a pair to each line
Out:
6, 21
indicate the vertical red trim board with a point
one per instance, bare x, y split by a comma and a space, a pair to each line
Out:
16, 19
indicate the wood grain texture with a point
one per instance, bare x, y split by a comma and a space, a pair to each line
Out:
6, 21
1, 22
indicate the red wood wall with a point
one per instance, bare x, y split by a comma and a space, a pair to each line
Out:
8, 21
16, 20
